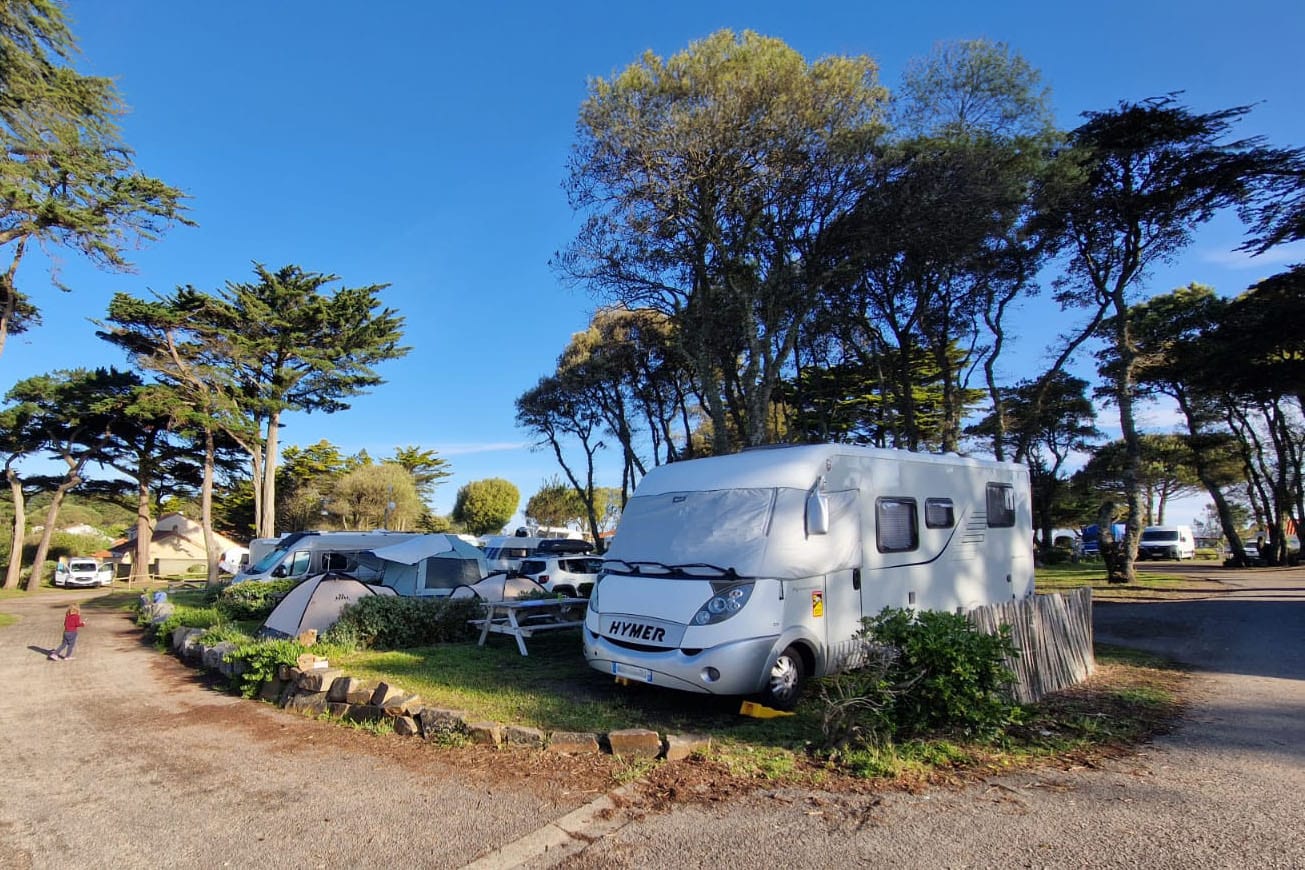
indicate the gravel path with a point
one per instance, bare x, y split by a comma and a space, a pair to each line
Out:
124, 758
1225, 790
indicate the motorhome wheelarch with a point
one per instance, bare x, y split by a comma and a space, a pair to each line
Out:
748, 573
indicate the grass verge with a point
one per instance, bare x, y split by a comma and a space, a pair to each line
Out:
1131, 698
1150, 585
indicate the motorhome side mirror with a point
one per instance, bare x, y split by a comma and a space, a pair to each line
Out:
817, 514
278, 571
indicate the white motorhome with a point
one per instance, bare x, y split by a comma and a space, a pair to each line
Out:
301, 554
748, 573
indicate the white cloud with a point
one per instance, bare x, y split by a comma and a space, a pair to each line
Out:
492, 447
1281, 255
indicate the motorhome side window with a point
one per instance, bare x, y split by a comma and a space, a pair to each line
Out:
299, 563
897, 528
939, 513
1001, 505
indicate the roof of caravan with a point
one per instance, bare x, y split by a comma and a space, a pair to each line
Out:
795, 466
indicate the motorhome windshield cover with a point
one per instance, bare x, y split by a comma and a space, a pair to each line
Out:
757, 531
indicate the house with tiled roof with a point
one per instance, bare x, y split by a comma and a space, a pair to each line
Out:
176, 547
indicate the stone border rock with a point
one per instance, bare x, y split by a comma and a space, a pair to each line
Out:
317, 690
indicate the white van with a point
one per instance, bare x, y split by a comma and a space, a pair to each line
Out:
299, 555
749, 573
1167, 542
82, 572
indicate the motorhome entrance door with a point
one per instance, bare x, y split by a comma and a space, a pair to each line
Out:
842, 612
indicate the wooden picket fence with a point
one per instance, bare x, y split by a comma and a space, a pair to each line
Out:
1053, 634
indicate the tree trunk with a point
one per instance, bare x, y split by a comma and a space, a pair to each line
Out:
9, 302
14, 572
267, 516
1132, 476
140, 559
1107, 545
206, 509
51, 517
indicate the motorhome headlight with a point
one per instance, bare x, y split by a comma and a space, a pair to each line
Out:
724, 604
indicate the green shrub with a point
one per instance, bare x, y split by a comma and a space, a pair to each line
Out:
182, 617
394, 622
951, 676
227, 631
254, 599
261, 661
1056, 556
857, 704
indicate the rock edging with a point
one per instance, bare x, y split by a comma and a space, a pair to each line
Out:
316, 690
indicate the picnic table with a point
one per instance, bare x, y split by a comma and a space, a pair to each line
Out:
522, 618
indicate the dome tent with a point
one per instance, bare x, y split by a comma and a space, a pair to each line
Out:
316, 603
500, 586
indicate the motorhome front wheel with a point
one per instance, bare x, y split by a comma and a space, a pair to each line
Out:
787, 677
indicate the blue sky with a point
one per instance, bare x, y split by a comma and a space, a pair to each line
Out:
424, 145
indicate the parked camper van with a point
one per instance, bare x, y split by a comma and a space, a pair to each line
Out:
1167, 542
749, 573
506, 552
301, 554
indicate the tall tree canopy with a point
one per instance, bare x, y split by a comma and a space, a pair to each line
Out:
66, 177
283, 342
485, 506
706, 180
1144, 177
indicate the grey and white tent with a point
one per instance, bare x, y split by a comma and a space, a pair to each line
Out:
316, 603
499, 586
431, 565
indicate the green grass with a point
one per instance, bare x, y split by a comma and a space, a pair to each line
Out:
1068, 577
7, 619
554, 689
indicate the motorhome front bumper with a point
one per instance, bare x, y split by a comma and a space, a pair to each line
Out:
736, 668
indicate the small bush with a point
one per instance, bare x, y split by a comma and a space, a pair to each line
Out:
955, 676
261, 660
182, 617
1056, 556
858, 702
393, 622
227, 632
254, 599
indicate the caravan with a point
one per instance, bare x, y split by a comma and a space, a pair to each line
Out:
748, 573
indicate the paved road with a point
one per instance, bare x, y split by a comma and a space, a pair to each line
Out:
123, 759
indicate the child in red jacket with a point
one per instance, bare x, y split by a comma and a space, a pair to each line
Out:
72, 621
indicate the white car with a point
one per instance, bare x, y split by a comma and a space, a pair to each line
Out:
572, 576
83, 572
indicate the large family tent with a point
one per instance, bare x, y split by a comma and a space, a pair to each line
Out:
430, 565
316, 603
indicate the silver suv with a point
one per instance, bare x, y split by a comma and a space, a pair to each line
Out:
572, 576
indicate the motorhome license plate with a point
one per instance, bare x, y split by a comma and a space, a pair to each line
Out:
630, 672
